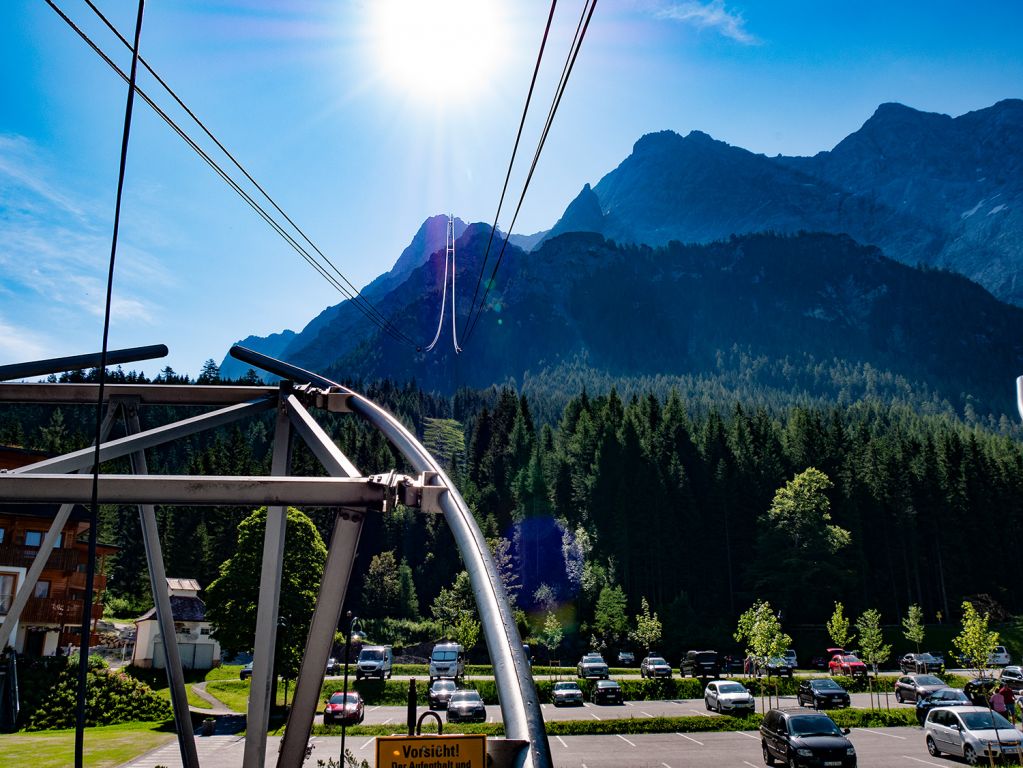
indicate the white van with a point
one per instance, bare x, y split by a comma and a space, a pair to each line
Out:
374, 661
447, 661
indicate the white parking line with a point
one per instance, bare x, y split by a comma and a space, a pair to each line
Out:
747, 735
645, 713
879, 733
698, 712
689, 737
668, 766
925, 762
625, 740
747, 762
368, 743
562, 742
595, 717
627, 703
374, 709
387, 721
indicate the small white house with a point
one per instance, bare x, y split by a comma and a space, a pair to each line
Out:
196, 646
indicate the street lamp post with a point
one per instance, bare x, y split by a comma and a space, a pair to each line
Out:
348, 642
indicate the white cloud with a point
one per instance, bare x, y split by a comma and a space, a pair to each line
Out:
19, 345
710, 15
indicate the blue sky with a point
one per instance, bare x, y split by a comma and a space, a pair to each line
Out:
359, 144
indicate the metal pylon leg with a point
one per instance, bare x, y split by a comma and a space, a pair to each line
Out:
27, 588
161, 599
261, 697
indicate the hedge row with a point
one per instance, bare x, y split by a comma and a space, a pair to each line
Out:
844, 718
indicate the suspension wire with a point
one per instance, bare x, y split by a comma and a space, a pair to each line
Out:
443, 301
454, 271
289, 239
358, 297
511, 162
90, 568
566, 73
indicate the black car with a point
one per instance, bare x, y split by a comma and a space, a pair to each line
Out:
822, 693
914, 687
466, 707
802, 739
245, 672
607, 692
921, 663
946, 697
700, 664
778, 666
440, 692
979, 690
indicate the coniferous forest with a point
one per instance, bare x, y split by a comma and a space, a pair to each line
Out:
663, 493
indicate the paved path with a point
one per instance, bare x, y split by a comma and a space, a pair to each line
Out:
217, 707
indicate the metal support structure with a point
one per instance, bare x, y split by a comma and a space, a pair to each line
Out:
78, 362
261, 695
27, 588
161, 599
147, 394
1019, 395
520, 704
79, 460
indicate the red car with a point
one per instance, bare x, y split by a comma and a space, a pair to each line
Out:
338, 710
846, 664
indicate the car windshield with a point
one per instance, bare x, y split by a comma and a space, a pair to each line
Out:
566, 687
444, 685
925, 657
813, 725
593, 657
339, 698
657, 660
371, 655
445, 655
849, 658
461, 696
950, 694
706, 656
732, 688
825, 685
607, 684
980, 721
928, 680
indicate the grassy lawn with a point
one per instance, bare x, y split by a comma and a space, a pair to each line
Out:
194, 699
105, 746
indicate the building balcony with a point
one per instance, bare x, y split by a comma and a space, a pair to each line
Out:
51, 610
22, 557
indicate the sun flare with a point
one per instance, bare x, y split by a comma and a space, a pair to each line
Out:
443, 51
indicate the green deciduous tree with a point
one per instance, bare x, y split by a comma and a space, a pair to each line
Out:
648, 629
454, 601
838, 627
232, 599
381, 588
975, 642
609, 618
467, 631
913, 626
552, 633
872, 646
759, 628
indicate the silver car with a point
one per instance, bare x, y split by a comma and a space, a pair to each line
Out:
728, 697
972, 733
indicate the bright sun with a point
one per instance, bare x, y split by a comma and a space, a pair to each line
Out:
438, 50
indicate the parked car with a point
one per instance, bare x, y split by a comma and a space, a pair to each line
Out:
778, 667
979, 690
333, 666
245, 672
846, 664
939, 656
822, 693
592, 665
626, 658
729, 663
654, 666
945, 697
374, 661
999, 657
819, 662
802, 739
790, 658
344, 709
1013, 677
440, 693
466, 707
607, 692
913, 687
447, 661
922, 663
973, 733
567, 693
728, 698
700, 664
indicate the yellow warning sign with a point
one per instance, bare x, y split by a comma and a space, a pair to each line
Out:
432, 751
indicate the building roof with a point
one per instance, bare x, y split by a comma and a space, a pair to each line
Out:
182, 609
183, 584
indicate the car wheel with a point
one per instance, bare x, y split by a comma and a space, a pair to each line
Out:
932, 748
898, 695
970, 755
706, 703
768, 757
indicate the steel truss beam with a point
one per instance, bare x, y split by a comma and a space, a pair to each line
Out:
147, 394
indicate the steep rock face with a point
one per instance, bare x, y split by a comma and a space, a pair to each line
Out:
273, 345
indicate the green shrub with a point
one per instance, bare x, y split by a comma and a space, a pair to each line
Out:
111, 698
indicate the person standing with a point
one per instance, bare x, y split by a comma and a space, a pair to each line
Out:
1009, 697
998, 703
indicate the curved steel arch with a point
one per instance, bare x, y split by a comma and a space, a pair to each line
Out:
520, 706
